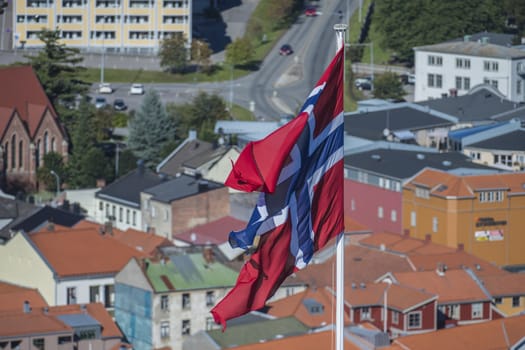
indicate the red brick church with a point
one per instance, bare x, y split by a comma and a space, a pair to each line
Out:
29, 128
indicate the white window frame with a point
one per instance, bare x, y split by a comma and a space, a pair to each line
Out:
380, 212
435, 224
418, 317
477, 310
165, 329
393, 215
165, 302
413, 218
366, 313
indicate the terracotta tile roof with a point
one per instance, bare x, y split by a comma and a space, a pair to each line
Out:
504, 284
215, 232
83, 252
362, 264
399, 297
12, 297
311, 341
19, 323
95, 310
453, 260
297, 306
21, 89
455, 286
446, 184
498, 334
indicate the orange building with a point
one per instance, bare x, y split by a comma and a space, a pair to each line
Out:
482, 214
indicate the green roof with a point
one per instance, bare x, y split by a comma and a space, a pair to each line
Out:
251, 333
188, 272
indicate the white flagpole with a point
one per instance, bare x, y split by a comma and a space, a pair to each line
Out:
340, 30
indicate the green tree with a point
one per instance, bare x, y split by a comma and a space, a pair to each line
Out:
87, 162
173, 54
201, 53
388, 86
200, 115
239, 52
53, 161
56, 66
150, 129
405, 24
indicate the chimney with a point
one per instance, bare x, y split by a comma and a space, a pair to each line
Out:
50, 226
461, 247
101, 183
208, 255
428, 237
27, 307
203, 185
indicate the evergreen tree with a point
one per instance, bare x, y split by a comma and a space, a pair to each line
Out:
87, 162
150, 129
56, 66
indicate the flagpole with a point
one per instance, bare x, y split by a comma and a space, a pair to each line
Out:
340, 30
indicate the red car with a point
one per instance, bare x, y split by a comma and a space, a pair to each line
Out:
310, 12
285, 50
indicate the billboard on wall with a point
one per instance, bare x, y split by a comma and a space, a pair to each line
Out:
489, 235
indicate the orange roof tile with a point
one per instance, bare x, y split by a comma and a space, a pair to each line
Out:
83, 252
498, 334
504, 284
19, 323
311, 341
294, 306
12, 297
95, 310
455, 286
453, 260
399, 297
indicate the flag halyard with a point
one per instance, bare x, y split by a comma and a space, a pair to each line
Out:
299, 171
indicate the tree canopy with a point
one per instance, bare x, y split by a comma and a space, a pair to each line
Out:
174, 54
388, 86
150, 129
405, 24
56, 66
239, 52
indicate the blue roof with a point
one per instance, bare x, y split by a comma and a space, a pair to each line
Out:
78, 320
461, 133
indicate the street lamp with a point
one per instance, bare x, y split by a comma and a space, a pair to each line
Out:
385, 315
52, 172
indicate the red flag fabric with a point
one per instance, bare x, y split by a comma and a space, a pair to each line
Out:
299, 170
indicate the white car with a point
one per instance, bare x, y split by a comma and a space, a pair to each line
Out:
105, 88
136, 89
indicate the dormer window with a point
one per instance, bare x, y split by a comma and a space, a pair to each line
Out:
313, 306
422, 192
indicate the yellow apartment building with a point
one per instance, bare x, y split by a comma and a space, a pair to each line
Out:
482, 214
134, 26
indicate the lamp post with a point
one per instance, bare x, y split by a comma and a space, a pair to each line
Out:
52, 172
385, 314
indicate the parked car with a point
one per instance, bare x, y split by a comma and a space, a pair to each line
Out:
136, 89
100, 102
310, 11
364, 83
105, 88
119, 105
285, 50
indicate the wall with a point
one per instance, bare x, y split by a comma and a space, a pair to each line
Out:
21, 264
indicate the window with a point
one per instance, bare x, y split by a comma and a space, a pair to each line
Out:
439, 81
210, 323
165, 329
452, 311
13, 152
134, 220
414, 320
380, 212
186, 301
352, 205
164, 303
491, 196
413, 218
39, 343
393, 216
518, 86
430, 80
166, 214
71, 295
463, 63
395, 317
64, 340
186, 327
109, 295
127, 216
434, 224
498, 301
101, 206
46, 142
210, 298
94, 294
422, 192
120, 214
365, 313
435, 60
477, 310
87, 334
466, 83
21, 154
459, 84
516, 301
153, 211
107, 209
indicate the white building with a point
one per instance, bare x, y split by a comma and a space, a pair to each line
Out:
453, 68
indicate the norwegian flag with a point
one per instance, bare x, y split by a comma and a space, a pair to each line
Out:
299, 171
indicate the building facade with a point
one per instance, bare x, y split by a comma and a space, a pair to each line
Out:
134, 26
453, 68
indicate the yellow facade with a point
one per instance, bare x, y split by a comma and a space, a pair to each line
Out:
508, 309
96, 25
21, 264
491, 230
